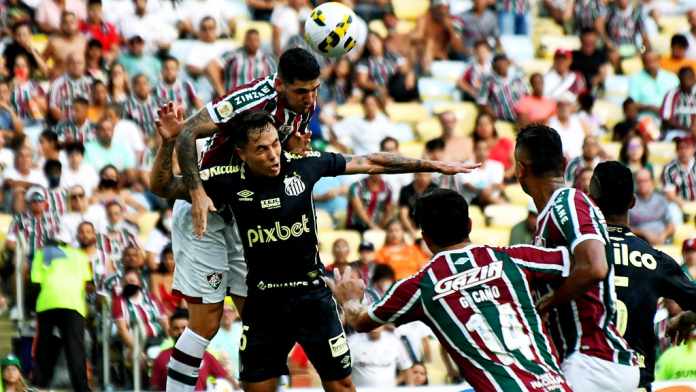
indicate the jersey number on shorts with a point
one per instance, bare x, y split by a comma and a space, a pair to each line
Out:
243, 339
514, 336
621, 317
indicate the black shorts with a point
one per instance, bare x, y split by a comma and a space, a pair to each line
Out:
273, 322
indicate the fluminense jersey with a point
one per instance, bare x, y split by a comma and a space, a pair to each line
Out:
275, 216
259, 94
643, 275
478, 302
586, 323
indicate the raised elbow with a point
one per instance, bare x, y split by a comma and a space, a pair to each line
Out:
598, 271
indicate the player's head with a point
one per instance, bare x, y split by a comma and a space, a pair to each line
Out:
611, 188
444, 217
257, 143
538, 155
298, 79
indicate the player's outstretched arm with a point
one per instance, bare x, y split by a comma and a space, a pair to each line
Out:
388, 163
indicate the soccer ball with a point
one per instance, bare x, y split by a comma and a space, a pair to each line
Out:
331, 29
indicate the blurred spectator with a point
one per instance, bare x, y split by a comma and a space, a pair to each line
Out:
63, 91
625, 24
630, 122
126, 131
77, 171
679, 176
650, 217
23, 174
52, 169
560, 79
95, 27
340, 87
329, 194
340, 251
142, 105
171, 88
190, 14
12, 379
109, 190
363, 135
136, 61
286, 20
240, 66
567, 123
100, 99
226, 341
514, 17
161, 280
151, 26
365, 264
501, 149
677, 363
590, 60
483, 186
66, 42
82, 211
403, 84
691, 34
415, 338
131, 257
118, 86
501, 90
523, 232
383, 278
634, 153
437, 29
9, 119
592, 123
21, 45
35, 226
417, 375
404, 258
589, 14
376, 66
376, 357
95, 64
206, 49
103, 150
49, 147
28, 97
478, 25
422, 184
679, 106
18, 12
457, 148
120, 231
476, 72
78, 128
210, 367
62, 273
369, 204
535, 107
158, 239
677, 59
395, 181
583, 179
689, 256
649, 86
588, 159
49, 13
261, 9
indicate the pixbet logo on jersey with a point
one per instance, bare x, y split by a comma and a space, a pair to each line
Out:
467, 279
277, 232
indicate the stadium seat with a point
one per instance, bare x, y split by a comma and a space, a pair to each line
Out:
5, 221
350, 110
661, 153
516, 195
449, 71
674, 251
376, 237
147, 222
410, 9
661, 43
265, 30
684, 232
689, 208
431, 89
39, 42
535, 65
466, 113
504, 216
428, 129
673, 24
327, 238
612, 149
616, 89
411, 149
632, 65
517, 47
548, 44
608, 112
489, 236
505, 129
409, 112
476, 216
324, 220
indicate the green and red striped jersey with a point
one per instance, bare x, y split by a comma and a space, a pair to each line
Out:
478, 301
586, 323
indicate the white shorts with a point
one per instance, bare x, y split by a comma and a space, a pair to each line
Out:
209, 267
586, 373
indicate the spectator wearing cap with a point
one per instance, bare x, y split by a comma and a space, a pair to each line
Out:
501, 90
650, 218
514, 16
63, 91
470, 81
286, 20
535, 107
377, 66
369, 204
103, 150
365, 264
479, 24
67, 42
560, 79
439, 34
136, 61
523, 232
78, 128
422, 184
141, 107
35, 225
590, 59
679, 107
457, 147
77, 171
49, 13
568, 125
23, 173
679, 176
95, 27
589, 158
649, 86
11, 379
404, 258
676, 59
173, 88
62, 273
689, 255
624, 25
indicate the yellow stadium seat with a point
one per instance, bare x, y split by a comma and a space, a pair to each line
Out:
39, 42
674, 251
428, 129
489, 236
476, 216
405, 26
550, 42
632, 65
672, 24
535, 66
147, 222
327, 238
661, 153
265, 30
324, 220
350, 110
684, 232
505, 129
608, 112
661, 43
466, 113
412, 150
5, 221
689, 208
504, 216
612, 149
376, 237
378, 27
409, 112
410, 9
516, 195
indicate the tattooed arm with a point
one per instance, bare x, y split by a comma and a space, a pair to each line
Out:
198, 125
163, 182
388, 163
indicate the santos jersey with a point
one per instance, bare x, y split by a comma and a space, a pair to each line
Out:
586, 323
259, 94
274, 215
643, 275
478, 302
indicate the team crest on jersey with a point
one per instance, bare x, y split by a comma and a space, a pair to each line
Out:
540, 241
225, 109
214, 279
294, 185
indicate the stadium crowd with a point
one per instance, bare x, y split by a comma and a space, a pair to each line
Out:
81, 82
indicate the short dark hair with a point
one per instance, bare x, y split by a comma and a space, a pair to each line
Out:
435, 144
94, 2
611, 188
251, 31
179, 314
443, 215
685, 71
382, 271
386, 140
94, 43
587, 30
543, 148
85, 222
50, 136
18, 25
250, 121
679, 40
298, 64
626, 102
80, 100
52, 165
586, 101
170, 58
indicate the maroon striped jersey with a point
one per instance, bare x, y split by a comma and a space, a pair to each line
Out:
478, 301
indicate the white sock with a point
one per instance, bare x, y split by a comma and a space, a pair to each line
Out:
182, 372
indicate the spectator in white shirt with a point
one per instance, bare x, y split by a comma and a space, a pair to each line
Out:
149, 22
77, 171
126, 131
206, 49
415, 336
23, 174
7, 156
363, 135
376, 357
560, 80
286, 20
482, 186
191, 13
158, 239
567, 123
82, 211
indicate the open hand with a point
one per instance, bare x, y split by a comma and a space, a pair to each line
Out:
347, 287
681, 328
300, 143
170, 120
455, 167
200, 206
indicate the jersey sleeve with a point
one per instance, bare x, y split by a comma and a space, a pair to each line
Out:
401, 304
251, 96
540, 264
576, 218
675, 284
321, 164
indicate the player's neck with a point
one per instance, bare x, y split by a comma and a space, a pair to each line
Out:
541, 192
456, 246
617, 220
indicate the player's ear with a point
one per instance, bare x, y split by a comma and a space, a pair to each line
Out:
240, 153
632, 203
278, 84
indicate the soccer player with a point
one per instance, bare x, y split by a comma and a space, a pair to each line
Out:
643, 274
270, 196
594, 355
475, 298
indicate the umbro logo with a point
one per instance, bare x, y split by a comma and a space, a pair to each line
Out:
245, 195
